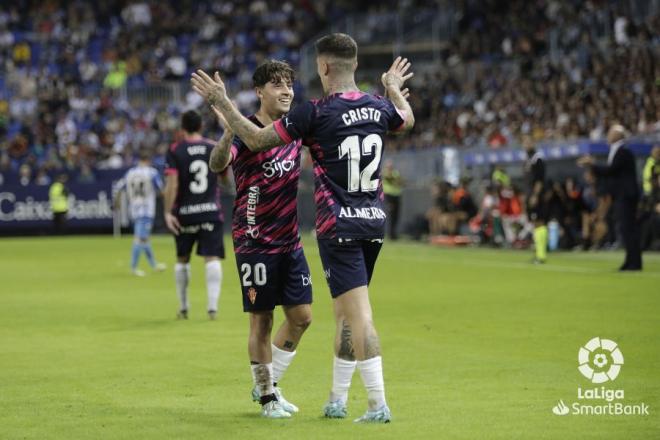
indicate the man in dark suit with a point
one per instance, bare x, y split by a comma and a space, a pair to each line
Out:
622, 173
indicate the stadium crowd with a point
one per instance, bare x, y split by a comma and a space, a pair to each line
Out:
558, 70
65, 63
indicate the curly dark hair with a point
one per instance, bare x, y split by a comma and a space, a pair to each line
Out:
272, 70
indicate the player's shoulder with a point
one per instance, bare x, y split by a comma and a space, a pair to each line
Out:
353, 99
208, 142
380, 100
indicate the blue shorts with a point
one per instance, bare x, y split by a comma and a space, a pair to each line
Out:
268, 280
348, 263
142, 227
208, 236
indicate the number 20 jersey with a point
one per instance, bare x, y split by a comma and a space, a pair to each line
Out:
345, 133
198, 196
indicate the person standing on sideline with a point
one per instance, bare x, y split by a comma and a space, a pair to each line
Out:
58, 195
621, 171
392, 187
651, 170
193, 212
142, 184
535, 178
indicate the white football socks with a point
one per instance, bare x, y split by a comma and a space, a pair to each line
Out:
213, 282
262, 376
281, 361
182, 277
371, 371
342, 373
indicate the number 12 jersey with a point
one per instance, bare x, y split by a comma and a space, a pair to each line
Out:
345, 132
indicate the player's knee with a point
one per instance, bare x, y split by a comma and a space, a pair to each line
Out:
261, 325
301, 322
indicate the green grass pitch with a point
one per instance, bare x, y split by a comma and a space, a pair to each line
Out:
477, 344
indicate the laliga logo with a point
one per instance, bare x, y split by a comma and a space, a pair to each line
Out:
600, 360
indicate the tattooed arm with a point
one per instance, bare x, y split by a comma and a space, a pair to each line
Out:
221, 153
213, 90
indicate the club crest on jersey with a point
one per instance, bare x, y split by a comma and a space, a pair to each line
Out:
252, 232
252, 294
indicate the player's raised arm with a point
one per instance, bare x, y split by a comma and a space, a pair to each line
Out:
393, 81
214, 92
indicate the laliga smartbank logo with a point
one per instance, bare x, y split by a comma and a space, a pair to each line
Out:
600, 361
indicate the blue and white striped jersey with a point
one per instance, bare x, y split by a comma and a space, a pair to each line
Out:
142, 184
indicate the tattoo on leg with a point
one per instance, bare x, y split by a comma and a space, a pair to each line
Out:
371, 344
290, 345
345, 343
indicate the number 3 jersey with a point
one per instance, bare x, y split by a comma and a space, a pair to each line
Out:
265, 218
198, 196
344, 132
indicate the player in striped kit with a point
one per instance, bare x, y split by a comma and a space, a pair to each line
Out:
269, 255
142, 184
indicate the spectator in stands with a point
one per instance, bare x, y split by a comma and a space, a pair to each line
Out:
42, 178
116, 77
25, 175
86, 175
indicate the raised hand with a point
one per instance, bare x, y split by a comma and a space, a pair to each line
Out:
211, 89
405, 93
396, 76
